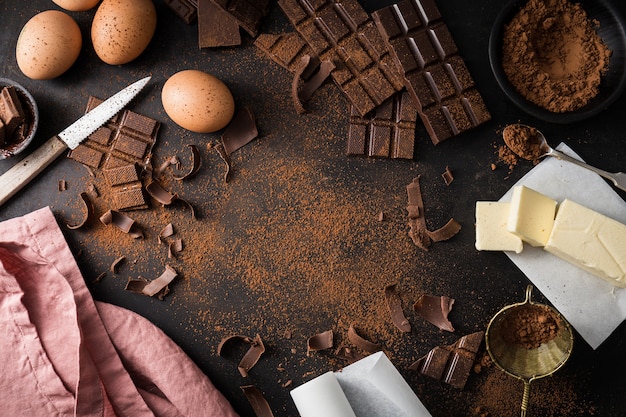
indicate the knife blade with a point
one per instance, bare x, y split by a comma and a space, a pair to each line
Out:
32, 165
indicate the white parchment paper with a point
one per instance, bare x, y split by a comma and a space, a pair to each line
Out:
592, 306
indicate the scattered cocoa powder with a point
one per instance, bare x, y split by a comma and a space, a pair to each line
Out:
553, 55
530, 326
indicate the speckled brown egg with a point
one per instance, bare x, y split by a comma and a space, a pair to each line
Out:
76, 5
197, 101
48, 45
122, 29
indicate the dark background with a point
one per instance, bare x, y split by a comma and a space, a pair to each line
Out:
211, 302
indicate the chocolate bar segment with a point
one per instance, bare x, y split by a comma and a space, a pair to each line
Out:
386, 132
434, 73
126, 188
342, 32
286, 49
187, 10
216, 28
247, 13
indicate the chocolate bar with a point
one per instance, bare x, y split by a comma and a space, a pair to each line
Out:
187, 10
286, 49
451, 364
343, 33
216, 28
247, 13
387, 132
126, 188
434, 73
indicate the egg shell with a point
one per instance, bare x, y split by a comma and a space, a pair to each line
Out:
198, 101
76, 5
122, 29
48, 45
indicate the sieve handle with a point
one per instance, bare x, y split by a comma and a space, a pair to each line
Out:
525, 398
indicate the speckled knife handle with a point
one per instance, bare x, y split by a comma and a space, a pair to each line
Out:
28, 168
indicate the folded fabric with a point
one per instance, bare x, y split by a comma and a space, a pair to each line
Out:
65, 354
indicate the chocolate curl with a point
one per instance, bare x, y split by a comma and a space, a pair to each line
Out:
417, 221
445, 232
305, 62
157, 285
161, 195
174, 247
251, 357
89, 212
435, 309
219, 148
257, 401
362, 343
310, 86
122, 222
167, 231
116, 263
196, 162
395, 309
447, 176
320, 341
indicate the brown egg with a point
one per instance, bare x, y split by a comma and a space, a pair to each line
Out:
122, 29
198, 101
76, 5
48, 45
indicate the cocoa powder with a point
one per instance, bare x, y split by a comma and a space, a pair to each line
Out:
530, 326
553, 55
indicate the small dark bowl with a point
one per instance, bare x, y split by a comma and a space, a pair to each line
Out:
612, 32
30, 124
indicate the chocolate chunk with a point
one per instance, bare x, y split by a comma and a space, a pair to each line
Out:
258, 402
303, 94
362, 343
240, 131
286, 49
395, 309
417, 221
216, 28
435, 309
342, 32
434, 73
451, 364
126, 187
319, 341
248, 14
447, 176
187, 10
252, 355
2, 132
11, 111
386, 132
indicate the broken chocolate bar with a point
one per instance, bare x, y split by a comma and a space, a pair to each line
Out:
248, 14
216, 28
451, 364
394, 303
286, 49
187, 10
434, 73
343, 33
435, 309
388, 131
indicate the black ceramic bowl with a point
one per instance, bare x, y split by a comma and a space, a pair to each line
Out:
30, 124
611, 30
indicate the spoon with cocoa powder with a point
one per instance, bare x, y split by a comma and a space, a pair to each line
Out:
529, 143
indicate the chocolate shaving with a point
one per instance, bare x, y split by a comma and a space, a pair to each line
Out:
221, 151
196, 162
240, 131
312, 84
257, 401
62, 185
122, 222
451, 364
173, 160
319, 341
435, 309
445, 232
99, 277
308, 65
447, 176
167, 231
157, 285
362, 343
395, 309
174, 248
348, 354
89, 210
136, 285
417, 221
160, 194
251, 357
116, 263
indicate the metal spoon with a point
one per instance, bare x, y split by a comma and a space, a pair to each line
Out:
617, 178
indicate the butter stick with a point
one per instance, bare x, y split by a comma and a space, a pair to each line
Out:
531, 215
591, 241
491, 233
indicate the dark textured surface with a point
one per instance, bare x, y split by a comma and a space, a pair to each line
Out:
213, 301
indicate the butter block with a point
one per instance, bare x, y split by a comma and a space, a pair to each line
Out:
591, 241
531, 215
491, 233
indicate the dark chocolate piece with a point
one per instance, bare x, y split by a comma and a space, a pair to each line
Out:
167, 231
116, 263
417, 220
386, 132
319, 341
248, 14
303, 94
126, 188
216, 28
434, 73
445, 232
447, 176
196, 162
11, 111
343, 33
435, 309
395, 309
258, 402
362, 343
451, 364
160, 194
252, 355
187, 10
240, 131
2, 132
157, 285
122, 222
287, 50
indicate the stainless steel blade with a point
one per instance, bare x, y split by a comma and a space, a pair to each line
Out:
75, 133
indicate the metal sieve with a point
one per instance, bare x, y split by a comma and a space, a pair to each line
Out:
524, 363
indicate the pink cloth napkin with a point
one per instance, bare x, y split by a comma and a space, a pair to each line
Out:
65, 355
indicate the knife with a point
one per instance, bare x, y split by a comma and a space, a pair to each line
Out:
28, 168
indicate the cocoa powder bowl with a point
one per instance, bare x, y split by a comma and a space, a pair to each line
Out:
611, 30
20, 141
